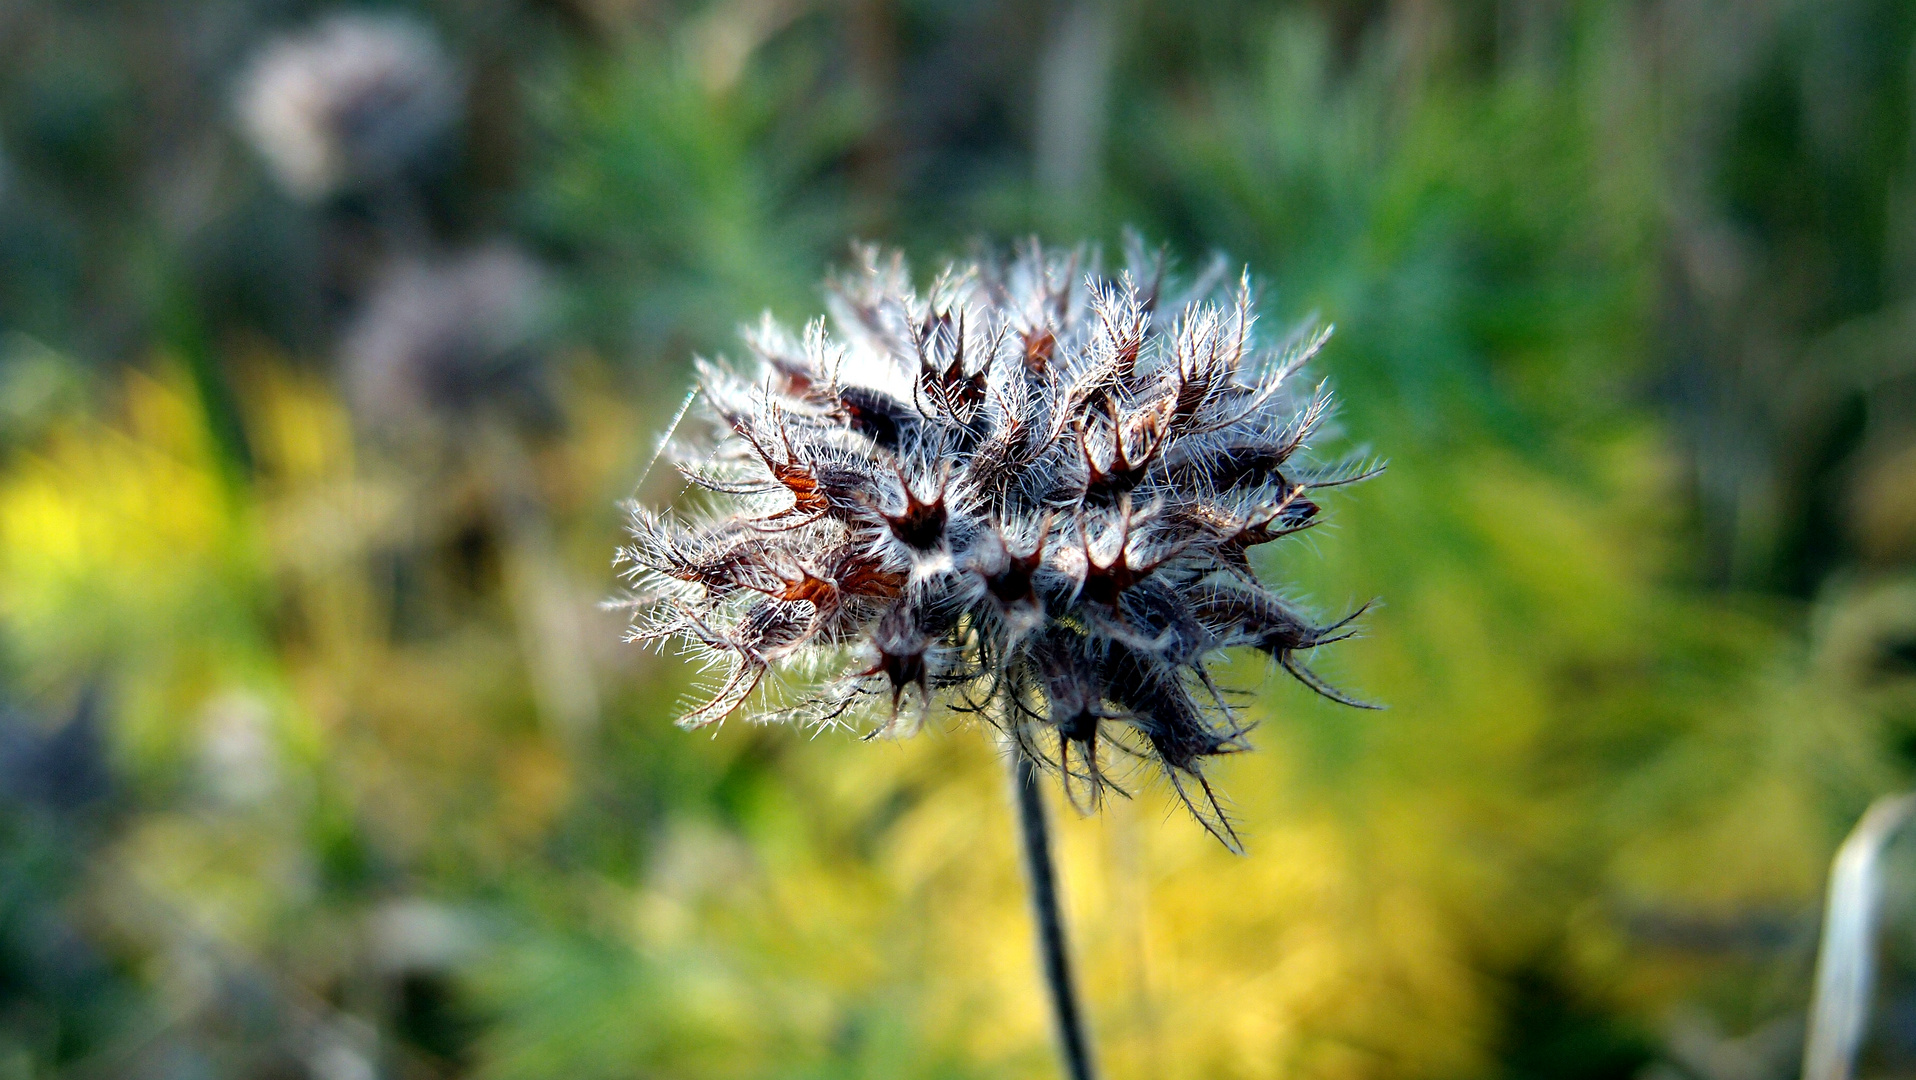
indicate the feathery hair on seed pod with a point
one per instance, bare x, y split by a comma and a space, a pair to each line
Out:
441, 339
1027, 493
355, 101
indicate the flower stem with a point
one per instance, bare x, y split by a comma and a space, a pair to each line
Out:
1033, 831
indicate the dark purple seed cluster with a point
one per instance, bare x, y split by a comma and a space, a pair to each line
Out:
1027, 492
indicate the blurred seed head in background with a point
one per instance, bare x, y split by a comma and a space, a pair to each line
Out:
355, 102
442, 339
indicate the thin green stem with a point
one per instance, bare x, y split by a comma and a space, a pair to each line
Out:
1068, 1016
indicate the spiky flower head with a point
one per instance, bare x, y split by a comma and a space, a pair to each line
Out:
357, 100
1028, 493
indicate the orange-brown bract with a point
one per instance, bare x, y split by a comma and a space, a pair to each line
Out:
1027, 493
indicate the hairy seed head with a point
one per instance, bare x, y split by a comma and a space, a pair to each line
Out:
1027, 492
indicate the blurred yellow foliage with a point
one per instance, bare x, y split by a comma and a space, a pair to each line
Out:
1532, 789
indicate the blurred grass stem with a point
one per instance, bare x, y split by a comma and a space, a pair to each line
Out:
544, 600
1074, 102
1042, 878
1846, 958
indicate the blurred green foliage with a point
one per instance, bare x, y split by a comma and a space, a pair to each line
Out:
320, 759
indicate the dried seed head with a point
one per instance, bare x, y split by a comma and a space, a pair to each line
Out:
357, 100
1027, 492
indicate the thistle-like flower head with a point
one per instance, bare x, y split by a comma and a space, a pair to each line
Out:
1027, 493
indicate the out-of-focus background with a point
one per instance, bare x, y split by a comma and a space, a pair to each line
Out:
331, 337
